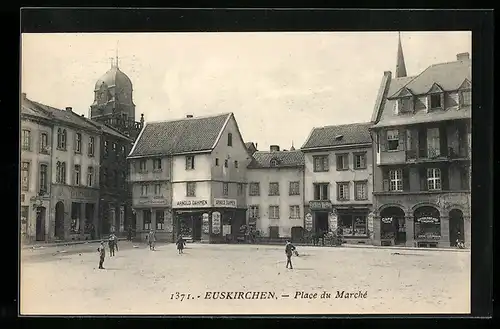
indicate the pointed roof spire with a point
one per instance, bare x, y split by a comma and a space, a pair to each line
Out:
111, 60
292, 148
400, 62
116, 64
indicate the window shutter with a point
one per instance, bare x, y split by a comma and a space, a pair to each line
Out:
402, 139
445, 184
412, 104
443, 140
406, 179
385, 180
423, 179
382, 140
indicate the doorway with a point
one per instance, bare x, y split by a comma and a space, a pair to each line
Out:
196, 224
59, 224
392, 225
321, 221
40, 224
456, 227
297, 233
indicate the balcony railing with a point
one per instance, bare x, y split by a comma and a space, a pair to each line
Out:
430, 154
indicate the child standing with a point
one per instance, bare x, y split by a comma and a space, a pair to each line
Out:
180, 244
111, 244
151, 240
289, 249
102, 255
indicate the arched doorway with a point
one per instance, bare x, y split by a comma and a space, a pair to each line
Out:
59, 225
456, 226
427, 221
40, 224
392, 225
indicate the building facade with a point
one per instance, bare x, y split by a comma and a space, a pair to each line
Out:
72, 172
338, 181
276, 193
206, 159
422, 151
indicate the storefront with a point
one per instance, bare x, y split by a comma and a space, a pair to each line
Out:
318, 218
354, 223
392, 226
427, 226
153, 213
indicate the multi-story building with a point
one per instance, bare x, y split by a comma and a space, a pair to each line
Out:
338, 181
276, 193
199, 192
422, 148
72, 171
36, 164
113, 112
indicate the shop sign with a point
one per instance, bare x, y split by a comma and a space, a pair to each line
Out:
206, 224
226, 203
83, 194
386, 220
428, 236
427, 220
152, 201
309, 222
318, 205
332, 221
216, 222
192, 203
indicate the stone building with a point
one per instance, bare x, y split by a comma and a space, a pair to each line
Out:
67, 163
422, 153
276, 193
189, 178
338, 181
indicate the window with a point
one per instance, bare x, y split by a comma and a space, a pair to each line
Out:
124, 150
404, 104
433, 143
253, 211
225, 189
254, 189
342, 161
229, 139
78, 143
146, 215
44, 143
241, 189
436, 101
320, 163
106, 148
294, 212
157, 189
274, 212
114, 147
43, 178
216, 161
360, 161
343, 191
427, 223
91, 146
26, 140
226, 163
124, 179
25, 176
191, 189
236, 163
353, 224
433, 179
160, 219
274, 189
274, 163
90, 176
142, 166
321, 191
396, 180
465, 98
294, 188
61, 172
392, 140
77, 173
157, 164
361, 190
62, 135
144, 190
189, 162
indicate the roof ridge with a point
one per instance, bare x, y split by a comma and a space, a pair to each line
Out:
343, 125
193, 118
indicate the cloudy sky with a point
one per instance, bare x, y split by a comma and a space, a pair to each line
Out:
279, 85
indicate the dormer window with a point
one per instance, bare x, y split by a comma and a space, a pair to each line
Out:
274, 163
436, 102
465, 98
405, 105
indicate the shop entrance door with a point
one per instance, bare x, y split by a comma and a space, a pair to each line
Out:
196, 224
456, 227
40, 224
321, 222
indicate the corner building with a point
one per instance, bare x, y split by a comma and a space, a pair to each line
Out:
202, 180
422, 148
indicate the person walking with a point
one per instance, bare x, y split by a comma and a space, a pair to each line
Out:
151, 240
102, 254
180, 244
289, 249
111, 244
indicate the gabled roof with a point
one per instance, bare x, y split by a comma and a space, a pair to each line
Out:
251, 148
188, 135
108, 130
284, 159
341, 135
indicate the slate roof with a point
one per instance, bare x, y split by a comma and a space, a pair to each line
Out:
53, 113
449, 76
286, 159
353, 133
179, 136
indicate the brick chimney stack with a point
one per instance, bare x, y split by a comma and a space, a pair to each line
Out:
274, 148
69, 108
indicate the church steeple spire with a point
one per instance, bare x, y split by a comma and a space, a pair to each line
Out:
400, 62
116, 61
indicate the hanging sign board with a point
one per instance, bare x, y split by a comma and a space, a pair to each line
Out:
216, 222
309, 222
206, 224
386, 220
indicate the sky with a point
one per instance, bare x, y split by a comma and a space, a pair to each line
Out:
278, 85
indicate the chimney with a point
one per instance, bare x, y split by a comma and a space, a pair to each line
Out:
462, 56
256, 145
24, 95
274, 148
69, 108
189, 116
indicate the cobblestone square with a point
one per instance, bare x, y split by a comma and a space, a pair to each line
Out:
65, 280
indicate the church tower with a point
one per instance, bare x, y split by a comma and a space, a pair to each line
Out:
113, 102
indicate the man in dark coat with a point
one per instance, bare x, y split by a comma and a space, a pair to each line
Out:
102, 255
289, 249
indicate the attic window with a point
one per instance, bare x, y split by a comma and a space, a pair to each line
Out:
339, 137
404, 104
274, 162
435, 101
